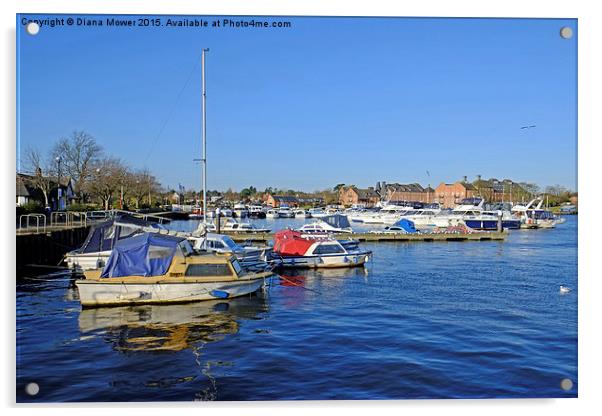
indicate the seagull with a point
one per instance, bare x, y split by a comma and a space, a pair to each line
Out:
527, 127
564, 290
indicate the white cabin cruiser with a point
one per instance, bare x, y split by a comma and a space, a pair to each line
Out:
103, 236
329, 224
240, 211
285, 212
301, 213
534, 216
272, 213
293, 250
242, 227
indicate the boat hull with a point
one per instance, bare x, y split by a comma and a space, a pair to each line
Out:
105, 292
318, 262
491, 225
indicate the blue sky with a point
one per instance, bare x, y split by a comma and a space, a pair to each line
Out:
327, 101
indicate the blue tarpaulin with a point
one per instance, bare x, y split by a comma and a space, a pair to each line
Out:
406, 225
146, 254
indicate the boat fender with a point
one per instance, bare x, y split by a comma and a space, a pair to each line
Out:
219, 294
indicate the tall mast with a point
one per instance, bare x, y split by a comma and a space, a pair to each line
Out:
204, 131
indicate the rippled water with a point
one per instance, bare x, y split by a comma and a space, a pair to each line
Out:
422, 320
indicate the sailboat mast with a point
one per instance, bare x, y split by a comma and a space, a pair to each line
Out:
204, 133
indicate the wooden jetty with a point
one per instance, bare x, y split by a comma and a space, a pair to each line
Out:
388, 237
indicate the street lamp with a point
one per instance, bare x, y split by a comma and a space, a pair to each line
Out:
59, 190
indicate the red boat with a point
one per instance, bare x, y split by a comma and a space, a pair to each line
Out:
296, 251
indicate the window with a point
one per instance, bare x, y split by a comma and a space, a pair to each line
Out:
328, 249
202, 270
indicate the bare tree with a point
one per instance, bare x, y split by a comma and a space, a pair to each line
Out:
79, 153
142, 186
109, 175
42, 171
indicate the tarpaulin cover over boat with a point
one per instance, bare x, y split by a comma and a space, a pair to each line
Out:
406, 225
103, 236
290, 243
145, 254
337, 220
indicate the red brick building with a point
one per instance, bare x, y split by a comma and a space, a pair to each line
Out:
413, 192
351, 195
277, 201
449, 194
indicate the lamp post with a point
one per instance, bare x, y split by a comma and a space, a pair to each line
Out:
59, 190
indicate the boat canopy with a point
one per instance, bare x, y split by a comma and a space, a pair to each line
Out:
406, 225
337, 220
145, 254
290, 243
103, 236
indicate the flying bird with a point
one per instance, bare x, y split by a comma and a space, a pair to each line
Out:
527, 127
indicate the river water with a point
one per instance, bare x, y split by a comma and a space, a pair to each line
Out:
421, 320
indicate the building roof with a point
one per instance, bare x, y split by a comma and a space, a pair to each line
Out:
285, 198
21, 187
410, 187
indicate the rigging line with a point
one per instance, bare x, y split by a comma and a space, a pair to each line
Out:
173, 108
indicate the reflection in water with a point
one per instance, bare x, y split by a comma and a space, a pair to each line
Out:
169, 327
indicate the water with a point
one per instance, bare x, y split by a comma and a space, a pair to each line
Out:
422, 320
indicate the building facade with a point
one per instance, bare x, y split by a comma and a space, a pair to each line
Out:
277, 201
413, 192
450, 194
351, 195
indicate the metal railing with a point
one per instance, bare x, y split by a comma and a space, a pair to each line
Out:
68, 219
37, 217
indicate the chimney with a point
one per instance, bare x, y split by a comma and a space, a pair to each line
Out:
465, 179
478, 177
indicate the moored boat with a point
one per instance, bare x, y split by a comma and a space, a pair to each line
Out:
327, 225
293, 250
156, 268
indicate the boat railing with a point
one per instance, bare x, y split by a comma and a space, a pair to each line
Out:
40, 220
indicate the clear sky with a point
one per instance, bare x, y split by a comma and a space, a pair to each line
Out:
326, 101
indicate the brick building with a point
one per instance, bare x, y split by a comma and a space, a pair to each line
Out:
449, 194
351, 195
413, 192
277, 201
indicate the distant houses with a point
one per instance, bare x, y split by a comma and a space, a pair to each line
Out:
446, 194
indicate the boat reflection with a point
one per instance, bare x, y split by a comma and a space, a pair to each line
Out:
170, 327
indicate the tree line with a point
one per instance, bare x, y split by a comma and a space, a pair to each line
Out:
98, 177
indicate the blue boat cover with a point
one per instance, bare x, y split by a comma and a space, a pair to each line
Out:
337, 220
103, 236
145, 254
406, 225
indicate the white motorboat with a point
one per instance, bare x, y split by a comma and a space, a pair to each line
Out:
272, 213
327, 225
256, 211
103, 236
156, 268
240, 211
285, 212
293, 250
390, 214
301, 213
234, 226
317, 212
248, 256
534, 216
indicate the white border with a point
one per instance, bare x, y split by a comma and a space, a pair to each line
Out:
590, 71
